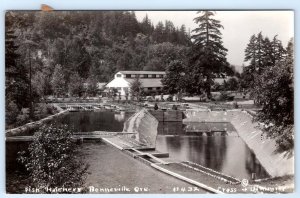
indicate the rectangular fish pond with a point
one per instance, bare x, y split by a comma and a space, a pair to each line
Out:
219, 150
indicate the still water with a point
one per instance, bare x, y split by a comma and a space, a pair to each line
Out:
94, 121
224, 152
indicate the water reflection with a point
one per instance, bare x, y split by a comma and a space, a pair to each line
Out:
120, 116
208, 126
225, 152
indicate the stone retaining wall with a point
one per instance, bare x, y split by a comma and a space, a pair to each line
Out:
276, 164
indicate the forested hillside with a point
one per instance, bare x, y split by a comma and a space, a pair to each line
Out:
62, 47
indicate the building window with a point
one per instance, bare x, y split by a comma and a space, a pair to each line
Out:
161, 75
153, 76
119, 75
145, 75
149, 88
158, 88
128, 75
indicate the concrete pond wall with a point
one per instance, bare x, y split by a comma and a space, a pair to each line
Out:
276, 164
167, 116
145, 125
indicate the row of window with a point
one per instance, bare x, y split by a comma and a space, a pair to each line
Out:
141, 75
152, 88
145, 88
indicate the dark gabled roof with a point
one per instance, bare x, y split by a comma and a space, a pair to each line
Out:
142, 72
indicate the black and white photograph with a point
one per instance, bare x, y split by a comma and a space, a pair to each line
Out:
149, 101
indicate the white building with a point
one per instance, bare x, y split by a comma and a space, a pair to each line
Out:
150, 80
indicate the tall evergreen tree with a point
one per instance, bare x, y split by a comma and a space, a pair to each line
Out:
208, 55
261, 53
17, 79
58, 80
275, 91
146, 26
250, 53
278, 50
158, 34
254, 53
183, 38
268, 56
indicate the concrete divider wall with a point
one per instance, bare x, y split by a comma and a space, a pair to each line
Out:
167, 116
145, 125
207, 116
276, 164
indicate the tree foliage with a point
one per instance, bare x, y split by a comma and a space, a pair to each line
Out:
11, 113
273, 88
76, 85
17, 79
51, 161
93, 44
261, 53
58, 80
175, 80
208, 55
136, 88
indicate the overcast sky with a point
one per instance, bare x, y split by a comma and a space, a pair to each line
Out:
238, 26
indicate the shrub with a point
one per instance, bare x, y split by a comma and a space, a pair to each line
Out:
11, 113
162, 97
51, 109
235, 105
224, 96
23, 117
174, 107
230, 98
170, 98
52, 160
40, 111
150, 99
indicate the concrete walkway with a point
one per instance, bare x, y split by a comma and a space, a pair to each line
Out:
110, 168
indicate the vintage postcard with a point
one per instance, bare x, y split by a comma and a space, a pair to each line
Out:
149, 102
